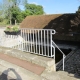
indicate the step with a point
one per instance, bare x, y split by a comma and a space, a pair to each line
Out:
48, 63
26, 74
12, 71
18, 72
59, 75
24, 64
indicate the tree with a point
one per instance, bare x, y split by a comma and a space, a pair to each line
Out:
11, 10
33, 9
16, 15
8, 5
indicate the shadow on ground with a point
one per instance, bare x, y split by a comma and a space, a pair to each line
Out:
4, 75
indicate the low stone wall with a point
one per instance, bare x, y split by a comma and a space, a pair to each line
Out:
48, 63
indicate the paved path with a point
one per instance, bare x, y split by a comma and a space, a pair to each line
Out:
24, 64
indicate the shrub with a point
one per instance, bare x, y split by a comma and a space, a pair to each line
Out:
12, 29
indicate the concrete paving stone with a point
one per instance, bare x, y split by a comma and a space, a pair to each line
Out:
60, 75
39, 60
20, 72
23, 63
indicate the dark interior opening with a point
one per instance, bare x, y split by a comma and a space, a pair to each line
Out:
58, 54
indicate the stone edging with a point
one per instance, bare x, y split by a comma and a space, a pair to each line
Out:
48, 63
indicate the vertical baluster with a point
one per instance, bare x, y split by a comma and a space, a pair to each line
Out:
22, 41
17, 47
48, 44
28, 40
51, 42
14, 40
54, 58
24, 38
63, 61
19, 44
10, 40
13, 46
31, 40
44, 44
36, 40
41, 43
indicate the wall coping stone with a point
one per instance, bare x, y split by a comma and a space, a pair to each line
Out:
48, 63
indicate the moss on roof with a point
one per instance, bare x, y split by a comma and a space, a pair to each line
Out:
37, 21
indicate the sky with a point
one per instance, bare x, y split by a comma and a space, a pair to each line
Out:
58, 6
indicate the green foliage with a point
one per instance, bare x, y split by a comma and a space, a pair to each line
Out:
12, 12
33, 9
16, 15
15, 28
24, 14
1, 14
12, 29
1, 19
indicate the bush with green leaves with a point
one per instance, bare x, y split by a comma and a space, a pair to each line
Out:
15, 28
12, 29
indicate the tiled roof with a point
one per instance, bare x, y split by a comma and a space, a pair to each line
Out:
59, 22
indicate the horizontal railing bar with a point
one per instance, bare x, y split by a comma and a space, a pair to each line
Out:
64, 56
38, 43
58, 48
40, 29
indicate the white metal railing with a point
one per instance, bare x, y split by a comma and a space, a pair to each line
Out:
37, 41
53, 44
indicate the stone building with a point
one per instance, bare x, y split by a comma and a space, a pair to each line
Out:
60, 22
